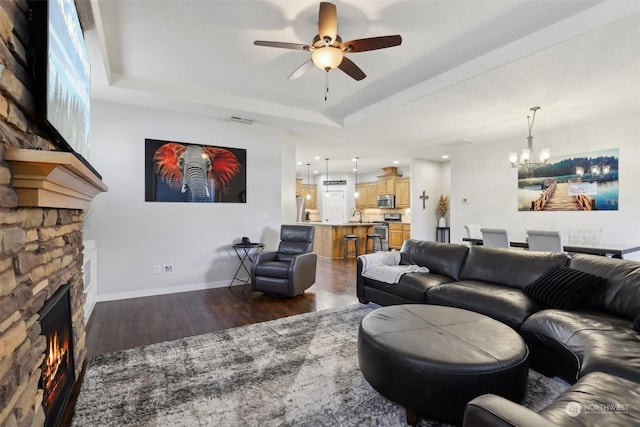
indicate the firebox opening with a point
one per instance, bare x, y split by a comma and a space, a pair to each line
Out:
58, 366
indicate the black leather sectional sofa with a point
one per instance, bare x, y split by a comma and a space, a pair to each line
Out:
594, 345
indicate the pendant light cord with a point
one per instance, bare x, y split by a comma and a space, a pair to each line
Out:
327, 186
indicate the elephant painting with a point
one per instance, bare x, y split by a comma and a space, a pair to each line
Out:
193, 173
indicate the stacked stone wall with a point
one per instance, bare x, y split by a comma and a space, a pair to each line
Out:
40, 248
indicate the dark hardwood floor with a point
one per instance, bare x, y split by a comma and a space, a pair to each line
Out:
123, 324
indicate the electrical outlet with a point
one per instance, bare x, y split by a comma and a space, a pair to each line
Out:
157, 269
168, 268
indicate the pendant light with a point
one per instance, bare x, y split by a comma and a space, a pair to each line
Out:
326, 187
356, 194
308, 174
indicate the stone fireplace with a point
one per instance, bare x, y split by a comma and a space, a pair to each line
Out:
43, 195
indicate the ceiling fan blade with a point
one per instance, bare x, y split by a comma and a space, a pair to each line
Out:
351, 69
282, 45
328, 22
373, 43
301, 70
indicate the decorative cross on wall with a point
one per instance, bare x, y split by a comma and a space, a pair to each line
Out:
424, 198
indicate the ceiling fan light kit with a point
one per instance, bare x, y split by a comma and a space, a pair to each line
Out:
327, 49
327, 58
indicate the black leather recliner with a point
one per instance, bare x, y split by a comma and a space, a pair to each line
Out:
291, 269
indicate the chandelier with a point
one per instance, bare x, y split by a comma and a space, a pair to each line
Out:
526, 159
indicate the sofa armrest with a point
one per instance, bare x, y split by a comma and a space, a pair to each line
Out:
264, 257
302, 272
495, 411
257, 259
360, 281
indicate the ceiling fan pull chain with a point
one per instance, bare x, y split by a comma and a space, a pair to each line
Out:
326, 84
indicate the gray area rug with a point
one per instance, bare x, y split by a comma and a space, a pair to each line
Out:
296, 371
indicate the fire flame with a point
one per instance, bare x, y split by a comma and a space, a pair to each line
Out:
54, 366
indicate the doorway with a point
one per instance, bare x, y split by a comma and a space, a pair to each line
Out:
334, 207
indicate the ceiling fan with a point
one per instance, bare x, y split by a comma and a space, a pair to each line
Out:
328, 49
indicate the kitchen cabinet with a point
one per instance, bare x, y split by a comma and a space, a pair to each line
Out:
398, 233
303, 189
387, 182
402, 193
386, 185
311, 203
368, 195
361, 201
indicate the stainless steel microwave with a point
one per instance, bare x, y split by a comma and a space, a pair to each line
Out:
387, 201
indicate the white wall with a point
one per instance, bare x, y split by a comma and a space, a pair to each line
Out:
133, 235
483, 175
433, 178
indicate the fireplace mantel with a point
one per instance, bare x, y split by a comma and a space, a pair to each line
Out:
52, 179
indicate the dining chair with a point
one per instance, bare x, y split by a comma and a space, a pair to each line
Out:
544, 240
495, 237
537, 227
473, 231
584, 236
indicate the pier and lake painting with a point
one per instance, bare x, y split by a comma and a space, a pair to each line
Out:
578, 182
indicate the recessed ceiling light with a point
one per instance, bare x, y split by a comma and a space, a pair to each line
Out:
354, 169
315, 172
299, 163
395, 162
317, 157
445, 156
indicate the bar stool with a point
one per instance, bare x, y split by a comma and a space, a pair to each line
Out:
350, 238
373, 237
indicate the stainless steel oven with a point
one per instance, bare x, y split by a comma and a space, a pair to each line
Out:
382, 228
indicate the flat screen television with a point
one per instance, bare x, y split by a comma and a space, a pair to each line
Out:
67, 76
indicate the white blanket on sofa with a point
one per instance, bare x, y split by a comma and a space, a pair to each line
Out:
385, 267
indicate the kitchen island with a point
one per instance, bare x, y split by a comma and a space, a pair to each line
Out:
329, 243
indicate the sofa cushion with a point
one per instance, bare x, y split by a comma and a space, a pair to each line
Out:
273, 269
506, 304
595, 341
564, 287
507, 266
295, 240
412, 286
440, 258
621, 295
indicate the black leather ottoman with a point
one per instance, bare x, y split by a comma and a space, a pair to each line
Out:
432, 359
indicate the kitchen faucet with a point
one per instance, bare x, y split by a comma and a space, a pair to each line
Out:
357, 211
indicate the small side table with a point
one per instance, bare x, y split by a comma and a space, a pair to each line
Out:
443, 234
244, 252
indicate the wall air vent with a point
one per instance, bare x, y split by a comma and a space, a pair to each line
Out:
241, 120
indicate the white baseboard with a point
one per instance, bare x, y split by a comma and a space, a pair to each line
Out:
163, 291
88, 309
